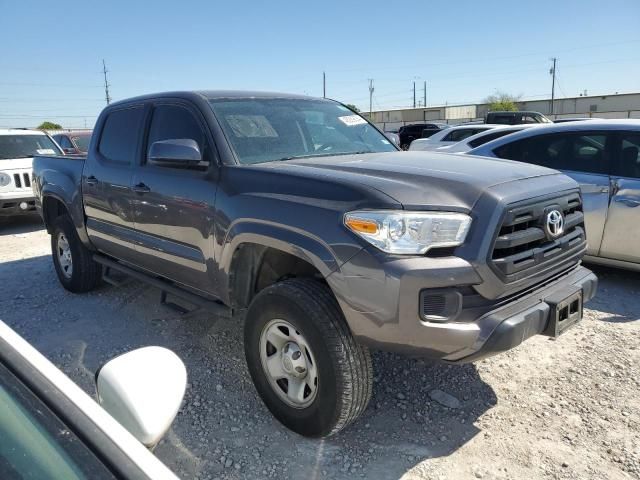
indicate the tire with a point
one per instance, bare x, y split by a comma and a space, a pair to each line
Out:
85, 274
342, 367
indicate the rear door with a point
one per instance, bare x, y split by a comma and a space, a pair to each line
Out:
106, 183
174, 207
622, 229
584, 156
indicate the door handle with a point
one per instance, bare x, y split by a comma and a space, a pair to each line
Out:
629, 202
91, 180
140, 188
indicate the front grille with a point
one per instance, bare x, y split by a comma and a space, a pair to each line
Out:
22, 180
523, 244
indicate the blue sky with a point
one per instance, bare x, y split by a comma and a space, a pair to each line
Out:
51, 61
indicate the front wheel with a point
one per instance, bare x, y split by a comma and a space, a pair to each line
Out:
304, 362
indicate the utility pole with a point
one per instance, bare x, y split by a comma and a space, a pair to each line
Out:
553, 84
371, 99
414, 94
425, 94
106, 84
324, 85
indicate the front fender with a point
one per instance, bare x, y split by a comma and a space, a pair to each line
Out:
299, 243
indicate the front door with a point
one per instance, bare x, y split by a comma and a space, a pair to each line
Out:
174, 207
622, 229
106, 182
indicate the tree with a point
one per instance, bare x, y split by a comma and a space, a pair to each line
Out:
49, 126
502, 102
352, 107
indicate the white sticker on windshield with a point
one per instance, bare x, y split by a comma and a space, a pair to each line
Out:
45, 151
351, 120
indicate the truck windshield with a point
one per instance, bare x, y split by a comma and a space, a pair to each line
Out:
272, 129
25, 146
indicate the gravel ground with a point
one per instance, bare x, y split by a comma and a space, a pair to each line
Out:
565, 409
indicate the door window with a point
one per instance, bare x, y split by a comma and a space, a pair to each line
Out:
576, 152
170, 122
628, 164
120, 134
34, 443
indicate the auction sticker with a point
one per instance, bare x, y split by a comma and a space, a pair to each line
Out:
351, 120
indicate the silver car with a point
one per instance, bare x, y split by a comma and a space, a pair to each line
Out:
603, 156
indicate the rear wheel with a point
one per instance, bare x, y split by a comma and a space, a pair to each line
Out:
76, 269
304, 362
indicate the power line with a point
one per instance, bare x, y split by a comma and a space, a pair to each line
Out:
475, 59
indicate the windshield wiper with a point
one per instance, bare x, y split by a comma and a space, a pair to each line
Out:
317, 155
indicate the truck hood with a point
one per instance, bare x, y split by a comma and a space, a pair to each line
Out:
417, 179
16, 163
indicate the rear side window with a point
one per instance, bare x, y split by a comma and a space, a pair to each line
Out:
64, 142
488, 137
459, 135
628, 164
576, 152
502, 119
120, 135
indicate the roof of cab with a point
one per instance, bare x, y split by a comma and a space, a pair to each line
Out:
213, 95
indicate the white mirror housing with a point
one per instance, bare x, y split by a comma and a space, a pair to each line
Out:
143, 390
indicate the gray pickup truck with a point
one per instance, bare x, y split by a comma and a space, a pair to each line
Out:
300, 216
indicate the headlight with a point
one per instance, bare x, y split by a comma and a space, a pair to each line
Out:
405, 232
4, 179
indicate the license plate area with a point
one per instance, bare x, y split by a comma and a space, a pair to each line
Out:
565, 310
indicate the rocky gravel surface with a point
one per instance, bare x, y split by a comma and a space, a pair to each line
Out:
556, 409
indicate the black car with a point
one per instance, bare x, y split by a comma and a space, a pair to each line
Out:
515, 118
408, 133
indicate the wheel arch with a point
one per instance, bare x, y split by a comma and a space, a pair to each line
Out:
258, 255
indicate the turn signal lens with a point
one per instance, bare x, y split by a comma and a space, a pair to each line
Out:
361, 225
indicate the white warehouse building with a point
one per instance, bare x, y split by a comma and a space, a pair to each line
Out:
625, 105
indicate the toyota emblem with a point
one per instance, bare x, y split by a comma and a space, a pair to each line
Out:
555, 223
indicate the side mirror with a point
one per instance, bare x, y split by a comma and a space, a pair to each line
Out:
176, 152
143, 390
69, 151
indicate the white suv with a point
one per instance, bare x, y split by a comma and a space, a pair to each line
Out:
17, 148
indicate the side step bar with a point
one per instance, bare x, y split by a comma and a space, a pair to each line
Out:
166, 287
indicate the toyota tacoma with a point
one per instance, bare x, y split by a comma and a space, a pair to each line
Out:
300, 217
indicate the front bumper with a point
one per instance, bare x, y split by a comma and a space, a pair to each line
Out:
16, 203
381, 303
